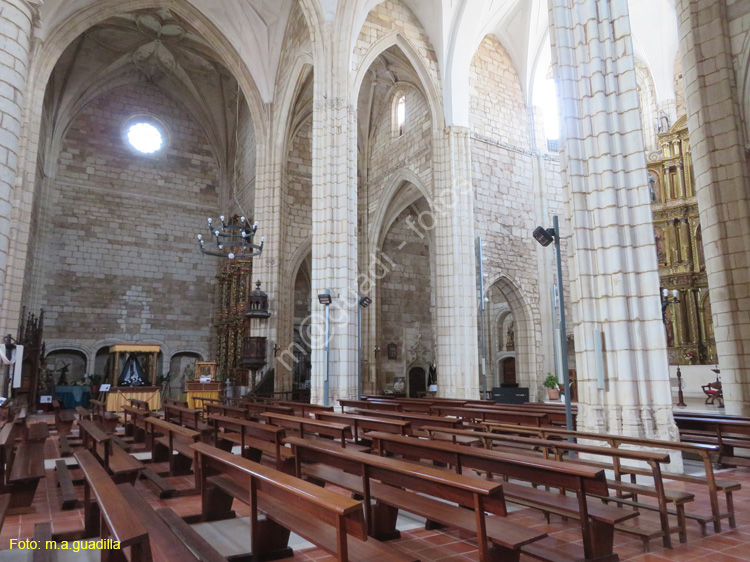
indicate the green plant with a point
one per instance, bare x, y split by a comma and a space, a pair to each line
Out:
95, 380
551, 381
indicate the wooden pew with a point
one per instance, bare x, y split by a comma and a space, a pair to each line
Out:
257, 408
373, 404
21, 466
725, 433
654, 460
184, 416
63, 418
104, 418
702, 451
416, 419
399, 485
229, 411
117, 462
331, 521
254, 439
306, 426
366, 423
83, 413
555, 414
165, 439
134, 423
107, 513
65, 482
170, 537
597, 521
143, 404
473, 414
303, 408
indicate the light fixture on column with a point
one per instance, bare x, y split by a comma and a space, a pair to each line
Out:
545, 236
326, 299
364, 302
666, 300
232, 240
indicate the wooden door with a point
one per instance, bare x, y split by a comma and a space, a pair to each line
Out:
509, 370
417, 383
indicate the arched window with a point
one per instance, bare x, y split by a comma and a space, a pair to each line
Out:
399, 117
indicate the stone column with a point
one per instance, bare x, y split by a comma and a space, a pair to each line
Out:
721, 185
17, 18
456, 302
334, 225
613, 268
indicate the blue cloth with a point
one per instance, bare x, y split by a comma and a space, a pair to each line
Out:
72, 396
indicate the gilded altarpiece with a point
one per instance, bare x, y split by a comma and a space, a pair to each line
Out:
230, 320
679, 248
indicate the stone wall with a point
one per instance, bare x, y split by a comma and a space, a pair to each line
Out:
117, 253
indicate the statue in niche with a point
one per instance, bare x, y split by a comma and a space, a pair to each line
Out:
699, 248
661, 251
669, 327
510, 337
392, 352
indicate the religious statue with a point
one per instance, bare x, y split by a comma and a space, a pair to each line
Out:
669, 327
63, 380
661, 252
510, 337
392, 352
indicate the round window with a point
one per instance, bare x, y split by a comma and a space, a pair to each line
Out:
145, 134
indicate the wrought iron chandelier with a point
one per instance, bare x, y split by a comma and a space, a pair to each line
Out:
232, 240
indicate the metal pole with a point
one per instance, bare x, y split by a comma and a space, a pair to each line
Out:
563, 336
328, 362
482, 373
359, 346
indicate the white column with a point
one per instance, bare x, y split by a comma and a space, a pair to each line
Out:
456, 300
17, 18
721, 183
613, 269
334, 225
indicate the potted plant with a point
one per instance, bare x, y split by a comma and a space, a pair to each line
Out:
95, 381
552, 386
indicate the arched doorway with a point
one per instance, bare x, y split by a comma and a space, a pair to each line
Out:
417, 382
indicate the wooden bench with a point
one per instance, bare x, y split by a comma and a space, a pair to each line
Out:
170, 537
360, 424
303, 408
21, 466
184, 416
254, 439
623, 490
229, 411
416, 419
597, 521
166, 439
107, 513
63, 418
257, 408
331, 521
727, 434
104, 418
476, 414
702, 451
83, 413
66, 484
37, 432
555, 414
134, 423
306, 426
373, 404
122, 466
423, 491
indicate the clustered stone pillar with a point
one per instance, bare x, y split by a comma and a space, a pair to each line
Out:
721, 183
614, 276
17, 18
455, 272
334, 227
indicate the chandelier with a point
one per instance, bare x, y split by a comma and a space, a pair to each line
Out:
232, 240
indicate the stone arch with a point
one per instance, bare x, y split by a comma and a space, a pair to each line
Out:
428, 87
525, 336
77, 357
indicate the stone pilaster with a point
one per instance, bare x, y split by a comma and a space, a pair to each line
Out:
17, 18
721, 184
334, 229
614, 276
456, 302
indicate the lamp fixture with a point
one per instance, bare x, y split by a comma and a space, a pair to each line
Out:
232, 240
325, 297
544, 236
666, 300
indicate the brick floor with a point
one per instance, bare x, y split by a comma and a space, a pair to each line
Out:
728, 546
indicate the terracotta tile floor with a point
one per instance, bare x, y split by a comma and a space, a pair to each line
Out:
728, 546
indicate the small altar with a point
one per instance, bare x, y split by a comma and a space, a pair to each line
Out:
118, 396
201, 390
72, 396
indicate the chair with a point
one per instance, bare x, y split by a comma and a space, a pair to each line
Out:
713, 393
